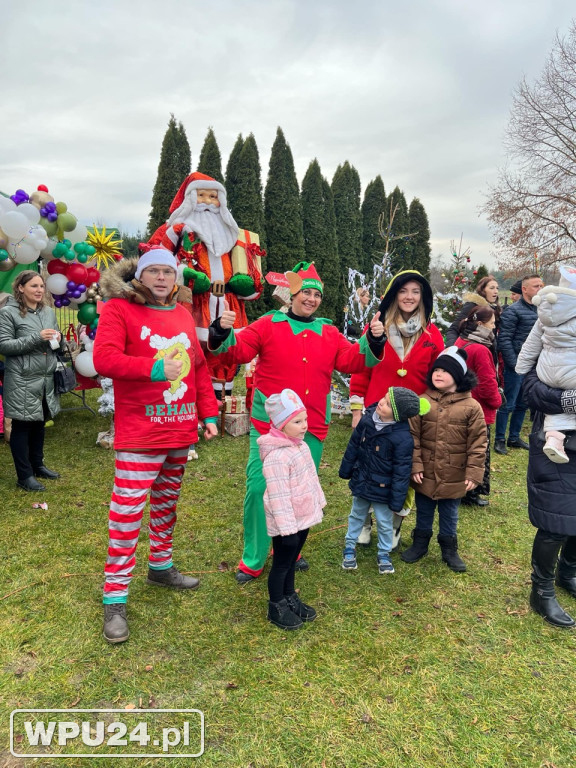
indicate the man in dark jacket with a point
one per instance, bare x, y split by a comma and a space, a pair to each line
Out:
515, 324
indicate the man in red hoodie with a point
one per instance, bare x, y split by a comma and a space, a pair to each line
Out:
147, 345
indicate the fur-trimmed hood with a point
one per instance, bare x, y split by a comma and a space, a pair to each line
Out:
119, 282
476, 299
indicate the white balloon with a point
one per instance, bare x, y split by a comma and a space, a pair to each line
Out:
22, 252
82, 298
46, 252
15, 224
78, 234
56, 284
37, 236
84, 364
30, 211
6, 204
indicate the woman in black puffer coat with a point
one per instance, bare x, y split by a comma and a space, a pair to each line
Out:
551, 505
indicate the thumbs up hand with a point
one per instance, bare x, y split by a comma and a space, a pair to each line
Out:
227, 318
172, 366
377, 326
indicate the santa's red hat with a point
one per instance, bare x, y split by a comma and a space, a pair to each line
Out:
197, 180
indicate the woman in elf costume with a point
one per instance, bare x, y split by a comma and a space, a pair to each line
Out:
299, 351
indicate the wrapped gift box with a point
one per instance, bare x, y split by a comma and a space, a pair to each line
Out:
247, 254
237, 424
235, 404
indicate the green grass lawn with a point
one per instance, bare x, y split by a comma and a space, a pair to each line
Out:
424, 668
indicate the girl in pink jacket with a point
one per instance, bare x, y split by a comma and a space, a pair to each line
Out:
293, 501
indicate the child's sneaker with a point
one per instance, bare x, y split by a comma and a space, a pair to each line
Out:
349, 561
385, 565
554, 447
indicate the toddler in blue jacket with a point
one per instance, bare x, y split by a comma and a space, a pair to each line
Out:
378, 463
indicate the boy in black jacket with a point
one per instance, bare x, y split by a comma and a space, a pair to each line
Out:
378, 463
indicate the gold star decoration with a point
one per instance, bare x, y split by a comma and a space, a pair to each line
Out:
107, 247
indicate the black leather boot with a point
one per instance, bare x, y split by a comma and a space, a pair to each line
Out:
282, 615
543, 598
115, 623
419, 548
566, 571
306, 612
449, 547
171, 577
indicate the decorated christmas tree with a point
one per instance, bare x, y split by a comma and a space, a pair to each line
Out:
458, 278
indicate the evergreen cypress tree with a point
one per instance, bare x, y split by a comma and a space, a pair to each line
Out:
400, 249
210, 161
282, 211
171, 174
184, 154
249, 206
320, 238
373, 206
479, 273
420, 242
233, 177
346, 192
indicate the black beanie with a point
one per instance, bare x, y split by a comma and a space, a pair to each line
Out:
453, 360
517, 287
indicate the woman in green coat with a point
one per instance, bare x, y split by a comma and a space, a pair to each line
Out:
29, 340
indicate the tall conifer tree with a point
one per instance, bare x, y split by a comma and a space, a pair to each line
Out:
282, 211
233, 175
320, 237
400, 248
420, 242
346, 192
373, 205
210, 161
172, 171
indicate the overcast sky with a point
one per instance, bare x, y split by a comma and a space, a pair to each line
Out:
417, 91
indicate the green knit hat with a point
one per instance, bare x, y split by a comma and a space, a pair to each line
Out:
405, 403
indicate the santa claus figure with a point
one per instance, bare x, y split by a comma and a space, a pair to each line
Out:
202, 233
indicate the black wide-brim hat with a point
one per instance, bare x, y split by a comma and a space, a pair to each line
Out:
397, 282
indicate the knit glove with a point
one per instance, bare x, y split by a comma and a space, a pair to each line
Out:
241, 285
200, 281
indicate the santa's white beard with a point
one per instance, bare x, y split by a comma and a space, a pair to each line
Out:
207, 223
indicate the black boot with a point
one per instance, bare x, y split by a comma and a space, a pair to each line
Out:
543, 598
115, 623
171, 577
282, 616
449, 547
566, 572
419, 548
306, 612
30, 484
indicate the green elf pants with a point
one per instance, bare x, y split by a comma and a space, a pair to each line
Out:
256, 539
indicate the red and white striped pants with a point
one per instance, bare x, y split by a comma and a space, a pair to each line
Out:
136, 474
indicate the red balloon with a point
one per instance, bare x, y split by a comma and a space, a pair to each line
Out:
93, 276
42, 188
77, 273
56, 267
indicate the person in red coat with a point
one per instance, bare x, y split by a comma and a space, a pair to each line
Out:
413, 344
477, 337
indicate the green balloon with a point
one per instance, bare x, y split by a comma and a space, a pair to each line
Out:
4, 254
67, 242
79, 247
82, 258
51, 227
67, 222
86, 313
61, 207
90, 250
59, 250
70, 255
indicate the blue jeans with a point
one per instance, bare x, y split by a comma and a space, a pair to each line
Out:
383, 515
514, 404
447, 514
